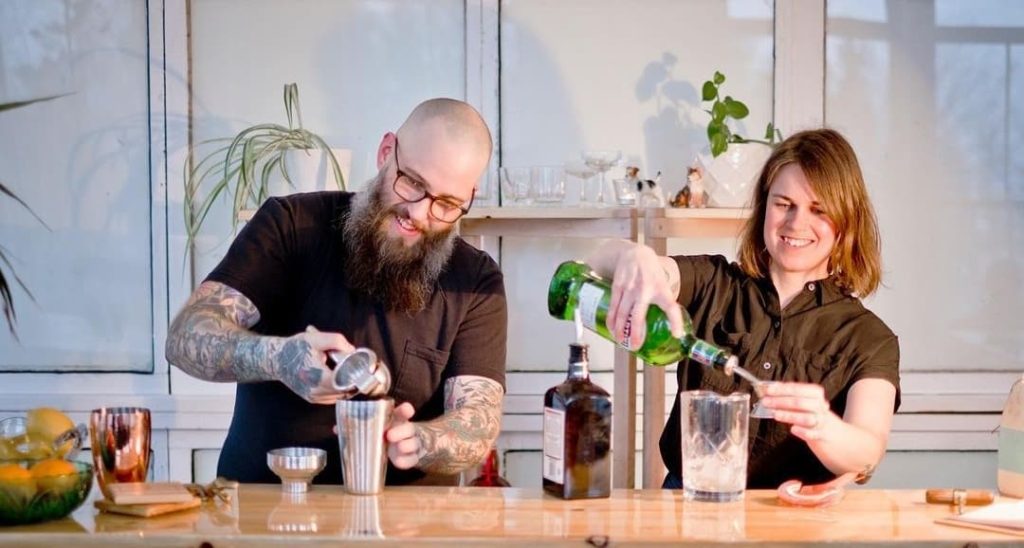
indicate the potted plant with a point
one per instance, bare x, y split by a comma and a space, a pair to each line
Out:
5, 287
734, 161
244, 167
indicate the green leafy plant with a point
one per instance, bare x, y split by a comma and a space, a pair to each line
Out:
6, 296
243, 166
719, 134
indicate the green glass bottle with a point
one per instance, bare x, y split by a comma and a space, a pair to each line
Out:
576, 285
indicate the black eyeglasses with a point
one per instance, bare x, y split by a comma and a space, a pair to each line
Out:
411, 190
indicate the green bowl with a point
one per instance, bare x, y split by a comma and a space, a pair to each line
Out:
41, 497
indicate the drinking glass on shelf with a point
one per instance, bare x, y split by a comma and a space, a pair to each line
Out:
548, 184
584, 173
601, 161
515, 186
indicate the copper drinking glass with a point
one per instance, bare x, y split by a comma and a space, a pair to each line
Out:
120, 439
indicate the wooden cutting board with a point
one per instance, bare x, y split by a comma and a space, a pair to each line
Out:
166, 492
146, 510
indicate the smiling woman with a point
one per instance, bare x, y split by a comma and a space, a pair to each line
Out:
792, 307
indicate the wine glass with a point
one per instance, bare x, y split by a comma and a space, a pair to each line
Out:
581, 171
601, 161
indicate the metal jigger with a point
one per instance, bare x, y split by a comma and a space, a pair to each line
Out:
361, 373
296, 466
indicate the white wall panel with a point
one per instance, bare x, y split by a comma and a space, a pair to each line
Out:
930, 96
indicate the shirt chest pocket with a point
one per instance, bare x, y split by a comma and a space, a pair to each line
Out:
824, 369
419, 373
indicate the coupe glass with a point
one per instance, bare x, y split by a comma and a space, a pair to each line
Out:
581, 171
601, 161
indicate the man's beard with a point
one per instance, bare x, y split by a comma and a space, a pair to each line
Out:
382, 266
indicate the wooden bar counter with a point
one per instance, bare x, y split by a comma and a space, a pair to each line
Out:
262, 516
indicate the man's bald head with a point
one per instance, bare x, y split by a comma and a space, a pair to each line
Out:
456, 120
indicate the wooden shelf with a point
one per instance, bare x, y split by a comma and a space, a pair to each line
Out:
551, 213
729, 213
681, 223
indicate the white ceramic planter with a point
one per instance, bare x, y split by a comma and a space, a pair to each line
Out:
310, 171
730, 178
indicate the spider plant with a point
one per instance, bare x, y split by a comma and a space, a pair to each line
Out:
243, 167
10, 315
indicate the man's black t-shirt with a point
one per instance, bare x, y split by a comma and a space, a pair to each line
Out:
290, 261
823, 336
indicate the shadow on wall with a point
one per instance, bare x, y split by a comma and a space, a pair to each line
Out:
678, 132
672, 135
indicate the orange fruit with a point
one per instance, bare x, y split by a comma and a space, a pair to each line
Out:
17, 482
46, 423
54, 475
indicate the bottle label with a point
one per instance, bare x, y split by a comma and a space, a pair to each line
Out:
587, 303
554, 445
704, 353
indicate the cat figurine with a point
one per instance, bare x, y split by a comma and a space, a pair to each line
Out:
693, 193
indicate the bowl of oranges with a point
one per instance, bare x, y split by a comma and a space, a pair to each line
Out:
39, 481
41, 490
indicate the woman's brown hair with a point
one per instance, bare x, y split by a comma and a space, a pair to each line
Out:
831, 167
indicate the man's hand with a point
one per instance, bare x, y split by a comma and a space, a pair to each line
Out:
403, 443
301, 364
454, 441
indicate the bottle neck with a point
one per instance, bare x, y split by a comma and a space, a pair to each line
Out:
706, 353
579, 365
490, 467
579, 371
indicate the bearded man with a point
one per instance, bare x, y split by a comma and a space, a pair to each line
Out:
384, 269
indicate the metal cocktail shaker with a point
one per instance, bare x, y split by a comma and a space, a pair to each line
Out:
364, 453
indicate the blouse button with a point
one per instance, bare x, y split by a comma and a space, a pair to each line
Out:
767, 365
810, 286
776, 324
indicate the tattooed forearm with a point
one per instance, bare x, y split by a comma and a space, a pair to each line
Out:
210, 339
464, 434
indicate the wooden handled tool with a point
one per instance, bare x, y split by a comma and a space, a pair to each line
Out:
969, 497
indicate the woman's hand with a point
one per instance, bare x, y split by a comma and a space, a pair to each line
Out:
803, 406
640, 278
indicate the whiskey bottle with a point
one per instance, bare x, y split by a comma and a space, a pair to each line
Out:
490, 475
577, 455
575, 286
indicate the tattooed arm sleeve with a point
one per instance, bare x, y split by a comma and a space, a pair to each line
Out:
464, 434
210, 338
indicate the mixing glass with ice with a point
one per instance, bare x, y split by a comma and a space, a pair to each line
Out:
714, 444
